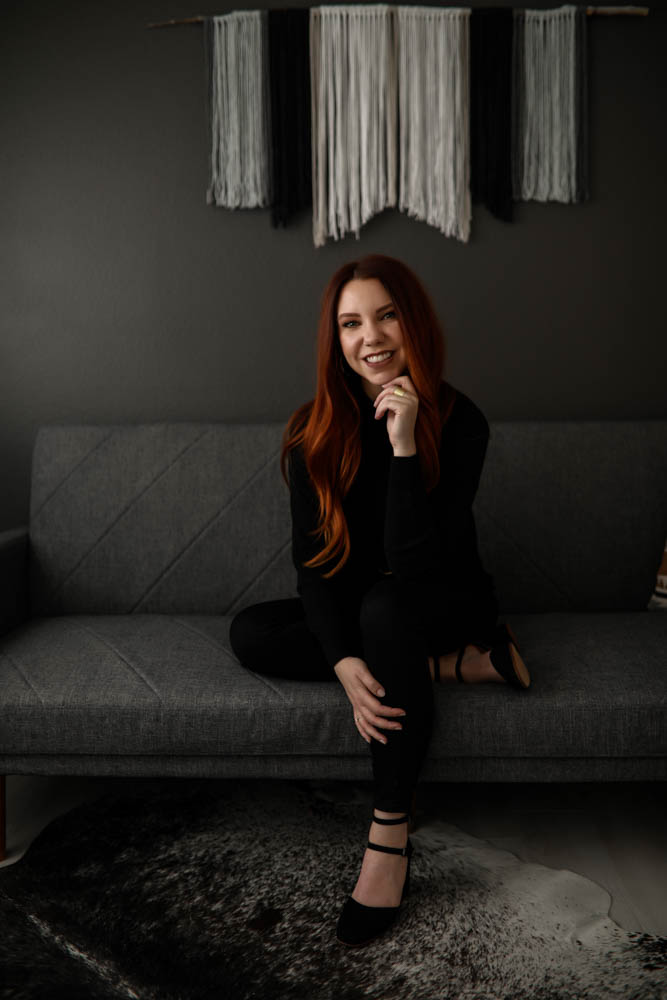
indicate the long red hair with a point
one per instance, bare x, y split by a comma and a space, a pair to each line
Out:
327, 427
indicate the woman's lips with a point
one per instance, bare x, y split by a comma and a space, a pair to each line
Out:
379, 364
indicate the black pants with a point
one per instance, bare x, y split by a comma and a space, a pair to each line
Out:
401, 624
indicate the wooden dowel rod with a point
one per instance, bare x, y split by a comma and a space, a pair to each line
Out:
638, 11
168, 24
611, 11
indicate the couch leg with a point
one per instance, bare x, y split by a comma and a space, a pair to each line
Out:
3, 814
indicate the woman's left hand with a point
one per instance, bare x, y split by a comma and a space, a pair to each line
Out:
401, 414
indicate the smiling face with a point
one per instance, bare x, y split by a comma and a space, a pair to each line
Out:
367, 325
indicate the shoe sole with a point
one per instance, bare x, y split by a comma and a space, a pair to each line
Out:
376, 937
359, 944
520, 668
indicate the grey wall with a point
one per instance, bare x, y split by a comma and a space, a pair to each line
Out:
124, 297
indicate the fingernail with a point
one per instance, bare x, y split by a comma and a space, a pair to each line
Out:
381, 692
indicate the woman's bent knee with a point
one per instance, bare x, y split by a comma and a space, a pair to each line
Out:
257, 632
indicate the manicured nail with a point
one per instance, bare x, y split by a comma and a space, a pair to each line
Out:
381, 692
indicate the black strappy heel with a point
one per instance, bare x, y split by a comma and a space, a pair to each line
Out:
436, 664
359, 924
505, 657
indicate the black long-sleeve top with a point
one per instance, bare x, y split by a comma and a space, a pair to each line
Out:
394, 525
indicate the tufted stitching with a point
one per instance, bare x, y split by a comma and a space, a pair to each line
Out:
209, 524
123, 512
23, 676
71, 472
218, 645
110, 645
203, 635
235, 605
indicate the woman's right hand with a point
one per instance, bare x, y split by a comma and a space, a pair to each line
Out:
361, 688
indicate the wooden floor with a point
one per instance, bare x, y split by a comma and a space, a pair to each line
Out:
614, 834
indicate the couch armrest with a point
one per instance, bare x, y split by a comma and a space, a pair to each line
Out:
13, 578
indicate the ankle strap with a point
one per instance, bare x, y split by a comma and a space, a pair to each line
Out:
396, 819
392, 850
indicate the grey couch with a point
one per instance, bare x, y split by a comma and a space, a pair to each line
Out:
144, 541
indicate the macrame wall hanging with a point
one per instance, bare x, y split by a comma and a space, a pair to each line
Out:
351, 109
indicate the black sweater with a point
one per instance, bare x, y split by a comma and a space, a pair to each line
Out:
394, 525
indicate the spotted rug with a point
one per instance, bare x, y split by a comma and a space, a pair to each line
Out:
190, 890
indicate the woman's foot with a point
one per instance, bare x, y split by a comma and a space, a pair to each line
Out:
381, 878
476, 666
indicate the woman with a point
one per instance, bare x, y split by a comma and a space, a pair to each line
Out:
384, 465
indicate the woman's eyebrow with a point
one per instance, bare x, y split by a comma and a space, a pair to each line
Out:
386, 306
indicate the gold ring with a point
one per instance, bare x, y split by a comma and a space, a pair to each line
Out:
399, 392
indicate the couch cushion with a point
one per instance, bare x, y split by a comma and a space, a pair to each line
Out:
187, 518
571, 514
158, 518
166, 684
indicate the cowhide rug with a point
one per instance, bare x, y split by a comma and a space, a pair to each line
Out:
190, 890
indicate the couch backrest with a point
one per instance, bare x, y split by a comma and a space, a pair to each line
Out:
193, 517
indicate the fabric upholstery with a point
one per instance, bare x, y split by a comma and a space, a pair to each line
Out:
13, 578
194, 518
169, 684
324, 766
145, 540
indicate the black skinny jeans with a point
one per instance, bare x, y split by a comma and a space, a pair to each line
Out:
401, 624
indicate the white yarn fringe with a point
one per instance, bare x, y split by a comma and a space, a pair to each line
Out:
547, 106
240, 112
375, 103
353, 116
434, 122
